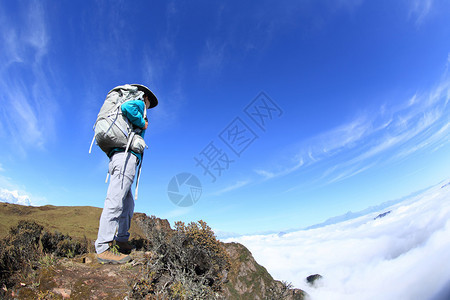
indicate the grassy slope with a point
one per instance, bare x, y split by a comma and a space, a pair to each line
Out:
77, 221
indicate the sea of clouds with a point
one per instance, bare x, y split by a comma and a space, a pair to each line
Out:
403, 255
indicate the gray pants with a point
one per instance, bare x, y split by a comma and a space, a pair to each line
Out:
119, 203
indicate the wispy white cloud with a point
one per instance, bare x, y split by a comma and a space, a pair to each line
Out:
159, 57
5, 181
420, 9
439, 137
350, 172
237, 185
391, 132
10, 47
212, 59
27, 106
367, 258
284, 171
342, 137
36, 33
249, 35
447, 65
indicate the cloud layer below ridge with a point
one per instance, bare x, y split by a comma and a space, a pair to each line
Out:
403, 255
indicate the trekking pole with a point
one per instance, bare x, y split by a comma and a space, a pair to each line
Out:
138, 176
140, 165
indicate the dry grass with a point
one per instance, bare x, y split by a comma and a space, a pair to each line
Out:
76, 221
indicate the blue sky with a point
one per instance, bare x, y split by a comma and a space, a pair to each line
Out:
362, 89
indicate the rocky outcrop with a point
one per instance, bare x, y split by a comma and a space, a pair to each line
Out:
249, 280
313, 280
382, 215
148, 225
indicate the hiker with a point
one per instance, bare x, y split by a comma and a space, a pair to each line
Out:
118, 209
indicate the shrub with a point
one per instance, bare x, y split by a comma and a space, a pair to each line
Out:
280, 290
19, 251
50, 241
63, 245
141, 244
188, 263
203, 253
22, 250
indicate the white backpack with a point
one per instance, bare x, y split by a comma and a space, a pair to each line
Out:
113, 130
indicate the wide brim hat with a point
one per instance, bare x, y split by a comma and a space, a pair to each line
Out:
150, 95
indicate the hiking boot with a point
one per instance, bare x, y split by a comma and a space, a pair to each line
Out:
125, 247
113, 257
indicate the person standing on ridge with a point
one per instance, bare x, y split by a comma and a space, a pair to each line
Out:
118, 208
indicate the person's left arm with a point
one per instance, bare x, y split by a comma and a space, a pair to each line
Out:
134, 112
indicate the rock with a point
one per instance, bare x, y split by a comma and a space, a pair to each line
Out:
87, 260
65, 293
313, 280
149, 224
382, 215
112, 274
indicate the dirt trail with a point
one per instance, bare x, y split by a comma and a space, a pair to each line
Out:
81, 278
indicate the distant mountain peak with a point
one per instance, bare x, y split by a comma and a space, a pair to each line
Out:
382, 215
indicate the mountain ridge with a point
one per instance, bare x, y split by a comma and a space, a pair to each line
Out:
243, 279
